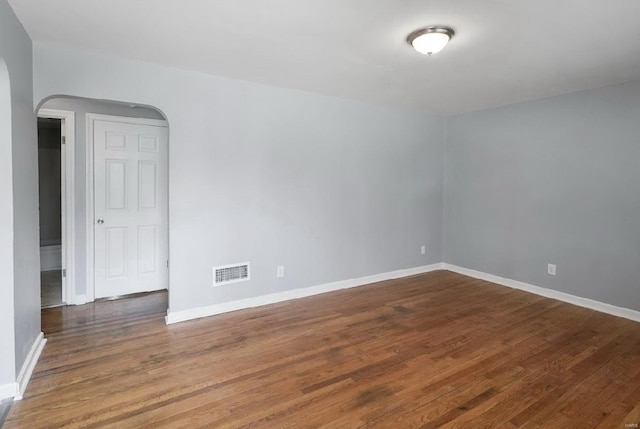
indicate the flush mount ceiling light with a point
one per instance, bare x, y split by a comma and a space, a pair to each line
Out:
430, 40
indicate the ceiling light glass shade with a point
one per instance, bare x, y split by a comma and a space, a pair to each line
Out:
430, 40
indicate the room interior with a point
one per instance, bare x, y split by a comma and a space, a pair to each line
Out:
421, 200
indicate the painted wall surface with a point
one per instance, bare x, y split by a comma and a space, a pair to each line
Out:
332, 189
49, 183
20, 307
7, 334
550, 181
81, 107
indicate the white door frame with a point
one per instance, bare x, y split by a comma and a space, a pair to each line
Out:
68, 205
90, 220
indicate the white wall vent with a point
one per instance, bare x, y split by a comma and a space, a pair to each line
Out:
233, 273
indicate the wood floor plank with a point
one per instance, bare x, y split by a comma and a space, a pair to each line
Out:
432, 350
632, 419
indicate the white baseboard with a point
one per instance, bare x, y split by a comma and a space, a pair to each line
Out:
549, 293
27, 368
78, 300
9, 390
211, 310
51, 257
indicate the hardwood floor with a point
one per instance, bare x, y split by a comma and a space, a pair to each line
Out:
51, 288
429, 351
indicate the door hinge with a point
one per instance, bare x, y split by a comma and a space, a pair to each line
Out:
167, 263
64, 273
64, 140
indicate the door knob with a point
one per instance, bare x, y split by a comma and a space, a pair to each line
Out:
100, 221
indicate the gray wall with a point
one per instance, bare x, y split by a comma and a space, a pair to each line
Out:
81, 107
331, 189
49, 182
19, 282
7, 334
550, 181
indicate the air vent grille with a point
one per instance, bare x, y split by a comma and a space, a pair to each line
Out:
230, 274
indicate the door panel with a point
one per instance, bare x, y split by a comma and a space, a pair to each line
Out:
116, 183
131, 208
147, 185
147, 249
116, 246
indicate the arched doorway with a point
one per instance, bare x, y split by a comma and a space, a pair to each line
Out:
91, 228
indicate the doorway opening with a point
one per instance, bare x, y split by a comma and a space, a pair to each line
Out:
51, 186
56, 146
115, 200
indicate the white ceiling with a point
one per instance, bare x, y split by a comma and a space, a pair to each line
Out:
505, 51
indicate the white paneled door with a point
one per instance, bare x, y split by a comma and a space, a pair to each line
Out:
130, 207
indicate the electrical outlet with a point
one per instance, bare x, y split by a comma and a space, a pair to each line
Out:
280, 272
423, 250
551, 269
